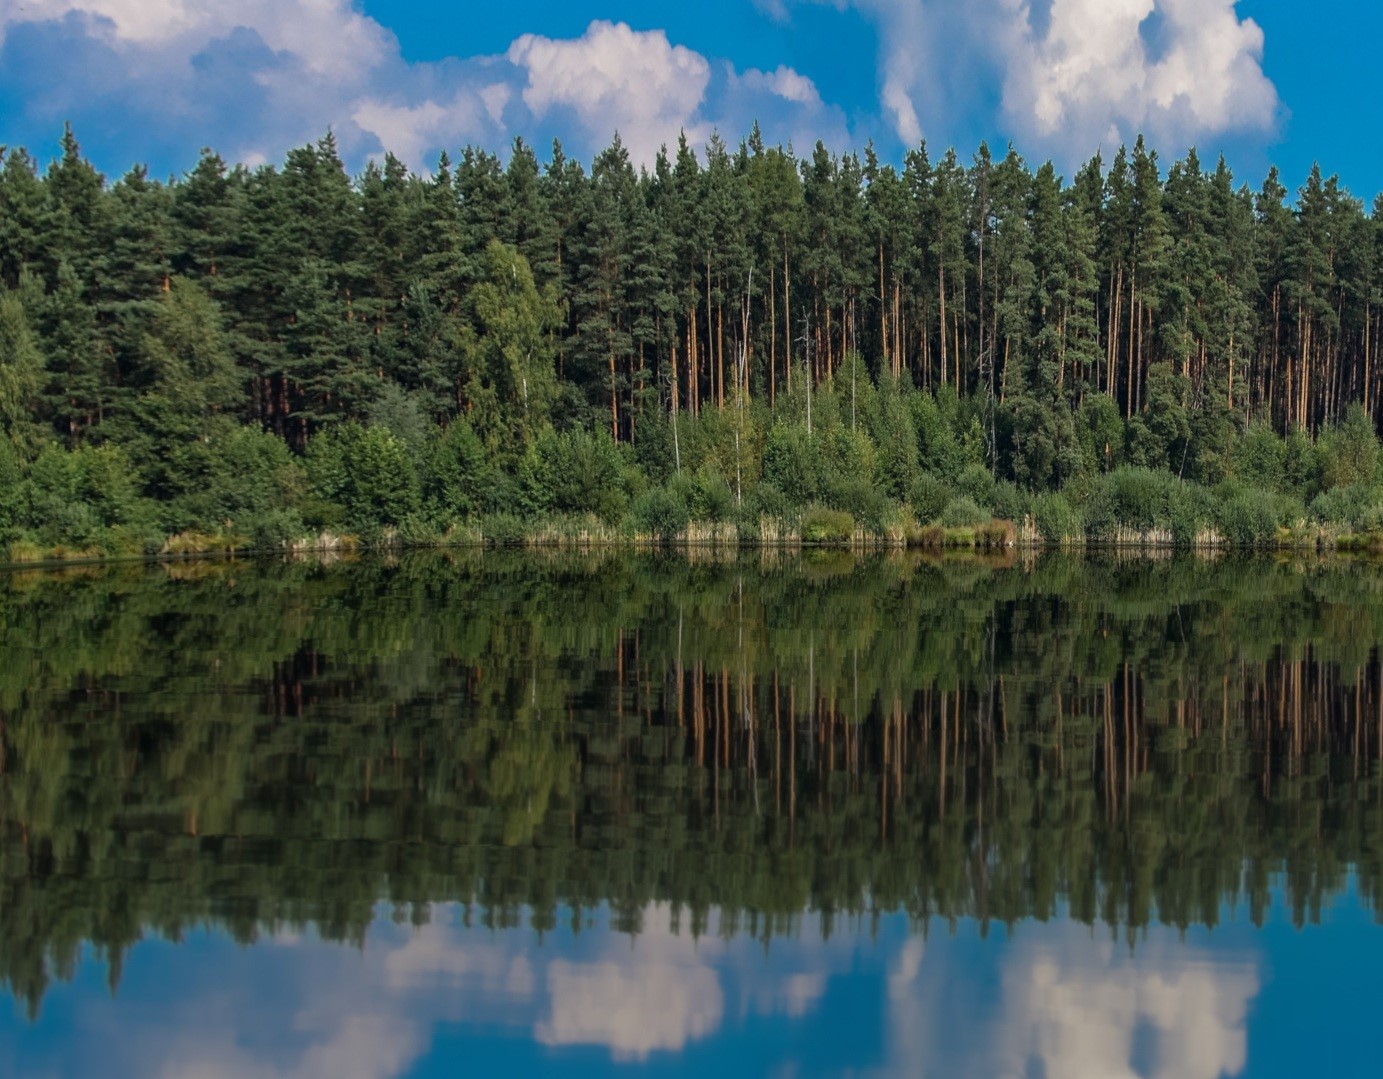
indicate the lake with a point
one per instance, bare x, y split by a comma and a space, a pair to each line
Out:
780, 814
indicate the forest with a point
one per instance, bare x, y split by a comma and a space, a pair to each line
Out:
735, 341
768, 746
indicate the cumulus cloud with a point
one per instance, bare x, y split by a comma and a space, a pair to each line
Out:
636, 83
785, 83
307, 1010
663, 990
1077, 1006
162, 77
1073, 73
634, 1008
328, 36
1110, 68
252, 78
1083, 1023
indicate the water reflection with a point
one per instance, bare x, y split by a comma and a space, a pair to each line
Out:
773, 788
1074, 1005
1053, 1000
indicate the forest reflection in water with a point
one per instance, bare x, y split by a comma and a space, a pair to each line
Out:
758, 749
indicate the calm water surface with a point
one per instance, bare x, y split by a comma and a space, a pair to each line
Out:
775, 815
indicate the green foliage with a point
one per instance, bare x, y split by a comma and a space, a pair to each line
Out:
512, 373
790, 463
1349, 452
709, 497
928, 497
1132, 498
75, 496
241, 477
457, 479
963, 512
1355, 508
976, 483
1191, 510
894, 438
661, 513
573, 473
1260, 459
21, 373
367, 472
1302, 466
1250, 518
1056, 519
821, 524
1100, 433
12, 493
545, 340
1009, 502
273, 529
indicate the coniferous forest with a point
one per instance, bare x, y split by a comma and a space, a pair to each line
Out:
736, 341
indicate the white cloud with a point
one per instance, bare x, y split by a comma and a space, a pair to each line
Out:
785, 83
359, 1046
1093, 71
329, 36
410, 131
256, 77
1081, 1007
617, 79
1073, 72
632, 1008
1081, 1018
252, 78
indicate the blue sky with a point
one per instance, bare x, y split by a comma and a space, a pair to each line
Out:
154, 80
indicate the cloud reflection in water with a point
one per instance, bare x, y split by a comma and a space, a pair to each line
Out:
1054, 1000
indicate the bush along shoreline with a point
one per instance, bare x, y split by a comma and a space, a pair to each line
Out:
911, 472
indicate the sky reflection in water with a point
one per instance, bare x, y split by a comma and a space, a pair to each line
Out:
1048, 999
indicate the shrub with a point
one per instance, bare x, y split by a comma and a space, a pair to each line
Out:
1349, 452
503, 530
11, 489
711, 497
272, 530
660, 513
928, 497
583, 473
1249, 518
931, 536
962, 512
367, 471
768, 501
790, 463
1138, 497
976, 483
995, 534
1354, 508
821, 524
416, 531
456, 476
1190, 510
1056, 519
1009, 503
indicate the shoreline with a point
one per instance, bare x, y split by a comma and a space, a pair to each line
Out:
934, 540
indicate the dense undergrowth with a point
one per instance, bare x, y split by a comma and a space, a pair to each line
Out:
888, 468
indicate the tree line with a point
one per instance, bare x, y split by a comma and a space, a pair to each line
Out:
734, 334
790, 745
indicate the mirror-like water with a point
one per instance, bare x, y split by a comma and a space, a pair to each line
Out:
791, 815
